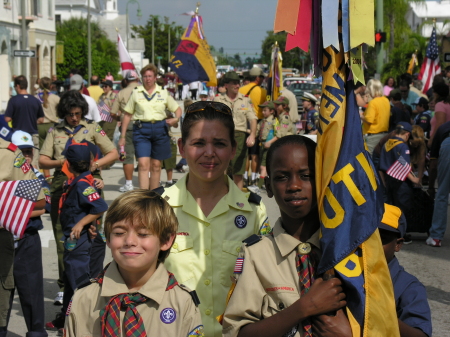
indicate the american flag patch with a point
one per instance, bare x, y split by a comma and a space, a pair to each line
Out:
239, 265
400, 169
68, 308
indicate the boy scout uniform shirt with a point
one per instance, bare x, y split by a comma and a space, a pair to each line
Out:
205, 248
109, 98
83, 318
56, 139
150, 108
264, 127
242, 109
122, 99
284, 126
269, 281
392, 150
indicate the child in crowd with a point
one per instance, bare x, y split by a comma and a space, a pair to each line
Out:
136, 295
170, 163
270, 298
80, 206
265, 134
423, 118
413, 311
283, 125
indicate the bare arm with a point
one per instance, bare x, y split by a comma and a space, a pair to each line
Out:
8, 119
40, 120
126, 120
251, 138
440, 119
76, 230
109, 158
47, 163
409, 331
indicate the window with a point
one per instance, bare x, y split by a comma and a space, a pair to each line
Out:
35, 8
50, 8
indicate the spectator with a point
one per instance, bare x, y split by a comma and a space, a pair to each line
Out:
423, 118
25, 111
399, 113
109, 77
408, 96
76, 83
193, 88
389, 85
441, 109
12, 89
95, 91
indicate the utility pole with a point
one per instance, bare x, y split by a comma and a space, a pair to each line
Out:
153, 40
379, 47
24, 36
89, 41
168, 45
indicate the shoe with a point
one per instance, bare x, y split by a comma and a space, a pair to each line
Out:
407, 239
59, 298
433, 242
180, 169
254, 189
126, 188
57, 323
254, 183
169, 184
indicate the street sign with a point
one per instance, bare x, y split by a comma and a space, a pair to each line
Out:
24, 53
447, 57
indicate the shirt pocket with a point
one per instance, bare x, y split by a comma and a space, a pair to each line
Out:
277, 300
230, 251
182, 256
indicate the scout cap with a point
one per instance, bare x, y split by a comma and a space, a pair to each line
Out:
421, 101
131, 75
203, 93
77, 152
231, 76
109, 83
316, 92
393, 220
76, 81
309, 97
268, 104
404, 126
22, 140
281, 100
256, 71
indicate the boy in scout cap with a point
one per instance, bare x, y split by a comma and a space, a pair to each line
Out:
312, 115
265, 133
283, 125
136, 295
413, 311
80, 206
277, 290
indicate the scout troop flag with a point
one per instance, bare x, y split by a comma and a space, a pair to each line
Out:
349, 200
125, 59
105, 111
17, 200
192, 59
275, 73
430, 65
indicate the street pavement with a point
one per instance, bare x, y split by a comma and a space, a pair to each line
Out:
430, 265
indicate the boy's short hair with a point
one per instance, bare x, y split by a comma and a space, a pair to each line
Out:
296, 140
144, 208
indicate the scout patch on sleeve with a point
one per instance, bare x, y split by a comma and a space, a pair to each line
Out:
99, 130
93, 197
25, 167
19, 161
47, 194
50, 130
68, 308
265, 227
89, 190
197, 331
4, 132
239, 265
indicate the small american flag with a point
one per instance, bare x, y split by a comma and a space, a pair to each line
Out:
400, 169
105, 112
239, 265
430, 66
17, 199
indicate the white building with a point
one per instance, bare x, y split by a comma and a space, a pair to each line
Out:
40, 37
422, 12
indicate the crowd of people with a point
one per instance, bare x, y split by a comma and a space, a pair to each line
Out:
203, 227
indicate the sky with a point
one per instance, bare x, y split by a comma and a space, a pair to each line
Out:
236, 25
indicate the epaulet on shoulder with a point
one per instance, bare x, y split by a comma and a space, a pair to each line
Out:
254, 198
160, 190
246, 96
12, 147
86, 283
135, 88
251, 240
193, 294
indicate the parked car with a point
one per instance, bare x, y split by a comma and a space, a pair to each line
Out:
298, 88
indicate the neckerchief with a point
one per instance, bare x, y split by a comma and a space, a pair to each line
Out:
71, 182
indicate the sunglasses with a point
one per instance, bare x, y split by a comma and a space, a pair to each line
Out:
76, 114
202, 106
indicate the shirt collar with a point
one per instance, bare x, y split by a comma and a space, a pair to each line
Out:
286, 243
157, 88
154, 288
394, 268
64, 124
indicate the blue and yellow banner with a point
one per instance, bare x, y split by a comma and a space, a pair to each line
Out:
192, 59
351, 206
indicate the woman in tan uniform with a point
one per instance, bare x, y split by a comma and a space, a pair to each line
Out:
72, 108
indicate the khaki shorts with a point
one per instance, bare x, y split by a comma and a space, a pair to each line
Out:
240, 159
262, 154
129, 146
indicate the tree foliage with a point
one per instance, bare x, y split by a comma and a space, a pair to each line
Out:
161, 37
103, 51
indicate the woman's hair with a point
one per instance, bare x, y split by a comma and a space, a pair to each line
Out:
294, 140
210, 114
417, 144
150, 67
442, 91
143, 209
44, 84
374, 88
69, 100
387, 81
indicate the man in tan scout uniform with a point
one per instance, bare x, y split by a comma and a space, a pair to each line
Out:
242, 108
108, 97
13, 166
118, 110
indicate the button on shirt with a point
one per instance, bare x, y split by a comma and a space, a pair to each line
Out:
242, 108
410, 298
269, 281
84, 317
206, 248
150, 107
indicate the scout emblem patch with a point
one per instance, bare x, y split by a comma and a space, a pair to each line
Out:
85, 131
89, 190
4, 132
25, 167
197, 331
168, 315
25, 138
20, 159
50, 130
239, 265
265, 227
48, 198
240, 221
99, 130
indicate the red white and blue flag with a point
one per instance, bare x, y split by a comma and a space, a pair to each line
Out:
105, 111
17, 200
400, 169
430, 65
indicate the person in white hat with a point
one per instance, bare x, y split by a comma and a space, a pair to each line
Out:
312, 115
203, 95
